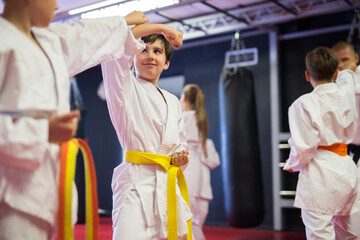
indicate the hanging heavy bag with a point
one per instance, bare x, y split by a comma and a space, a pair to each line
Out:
240, 151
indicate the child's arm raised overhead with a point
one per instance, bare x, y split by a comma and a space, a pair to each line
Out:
172, 35
135, 18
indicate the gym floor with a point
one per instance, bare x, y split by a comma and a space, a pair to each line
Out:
211, 233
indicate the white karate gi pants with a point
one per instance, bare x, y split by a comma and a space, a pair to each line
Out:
327, 227
131, 222
355, 218
200, 209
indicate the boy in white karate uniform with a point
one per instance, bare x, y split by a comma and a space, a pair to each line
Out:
148, 121
36, 63
322, 123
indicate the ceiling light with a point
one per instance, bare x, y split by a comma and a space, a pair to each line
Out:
125, 8
94, 6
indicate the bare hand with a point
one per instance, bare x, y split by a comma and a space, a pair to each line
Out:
180, 159
136, 18
63, 127
175, 37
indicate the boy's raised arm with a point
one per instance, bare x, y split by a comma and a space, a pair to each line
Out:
172, 35
136, 18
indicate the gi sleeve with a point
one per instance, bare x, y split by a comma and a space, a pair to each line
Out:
213, 160
304, 137
349, 80
23, 141
86, 43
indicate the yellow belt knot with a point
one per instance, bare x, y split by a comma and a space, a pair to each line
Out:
174, 173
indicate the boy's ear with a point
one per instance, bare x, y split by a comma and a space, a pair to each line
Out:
335, 75
356, 58
167, 65
307, 76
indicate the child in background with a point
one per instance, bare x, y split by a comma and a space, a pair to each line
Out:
149, 125
36, 62
322, 123
348, 57
203, 156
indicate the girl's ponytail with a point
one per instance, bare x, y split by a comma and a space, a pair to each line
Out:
196, 98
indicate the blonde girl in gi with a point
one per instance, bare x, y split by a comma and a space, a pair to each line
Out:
148, 123
203, 155
322, 123
36, 61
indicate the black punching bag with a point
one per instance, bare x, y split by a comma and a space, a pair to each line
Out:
240, 151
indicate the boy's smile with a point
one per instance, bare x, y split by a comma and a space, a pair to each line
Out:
150, 63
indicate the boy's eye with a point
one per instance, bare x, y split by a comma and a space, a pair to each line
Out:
144, 50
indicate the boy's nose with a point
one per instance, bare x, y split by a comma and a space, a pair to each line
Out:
340, 66
149, 55
56, 6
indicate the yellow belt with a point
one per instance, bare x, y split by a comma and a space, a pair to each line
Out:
174, 172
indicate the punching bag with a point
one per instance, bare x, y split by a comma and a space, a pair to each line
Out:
240, 151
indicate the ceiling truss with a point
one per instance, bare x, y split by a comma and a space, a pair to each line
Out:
260, 14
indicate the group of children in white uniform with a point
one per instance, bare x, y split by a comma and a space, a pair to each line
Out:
36, 62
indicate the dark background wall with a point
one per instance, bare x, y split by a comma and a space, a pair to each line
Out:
202, 64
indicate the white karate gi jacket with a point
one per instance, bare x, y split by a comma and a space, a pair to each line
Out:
197, 173
328, 183
356, 140
145, 123
34, 87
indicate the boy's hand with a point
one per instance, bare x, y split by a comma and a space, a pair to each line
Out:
175, 37
180, 159
63, 127
136, 18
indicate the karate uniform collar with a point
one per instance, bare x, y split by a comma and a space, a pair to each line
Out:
327, 87
12, 28
153, 90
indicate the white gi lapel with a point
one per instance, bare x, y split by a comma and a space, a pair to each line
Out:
167, 137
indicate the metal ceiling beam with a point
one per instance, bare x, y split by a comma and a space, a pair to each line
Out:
179, 21
225, 12
263, 13
259, 15
284, 7
348, 2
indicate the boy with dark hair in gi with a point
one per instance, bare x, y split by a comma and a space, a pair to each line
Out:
149, 125
322, 123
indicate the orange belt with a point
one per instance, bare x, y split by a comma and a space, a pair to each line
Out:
338, 148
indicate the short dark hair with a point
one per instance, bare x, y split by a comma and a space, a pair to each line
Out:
322, 63
168, 48
341, 45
